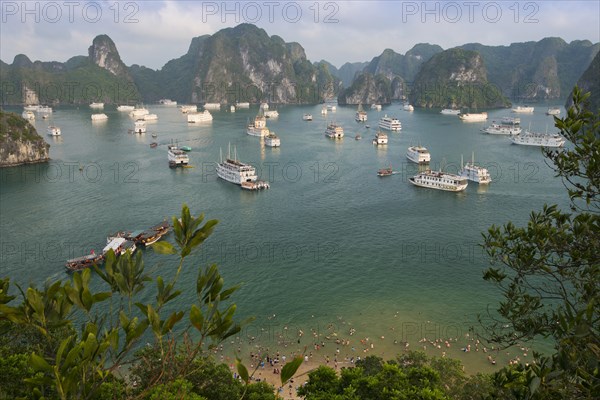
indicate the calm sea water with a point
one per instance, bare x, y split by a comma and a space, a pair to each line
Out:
330, 246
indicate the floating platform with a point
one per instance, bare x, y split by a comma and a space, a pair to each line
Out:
258, 185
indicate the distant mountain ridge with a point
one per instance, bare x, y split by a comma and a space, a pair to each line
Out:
244, 63
547, 69
101, 76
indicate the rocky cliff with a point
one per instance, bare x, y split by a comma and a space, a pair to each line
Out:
393, 73
103, 53
455, 78
19, 142
547, 69
242, 63
348, 72
367, 89
590, 82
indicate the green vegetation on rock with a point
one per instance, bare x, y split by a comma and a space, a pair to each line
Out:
19, 141
235, 64
455, 78
547, 69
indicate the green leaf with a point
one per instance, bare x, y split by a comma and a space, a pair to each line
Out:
90, 346
163, 247
196, 317
171, 321
124, 320
39, 364
154, 319
86, 299
137, 331
242, 370
290, 368
98, 297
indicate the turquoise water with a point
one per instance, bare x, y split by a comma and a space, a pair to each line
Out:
330, 246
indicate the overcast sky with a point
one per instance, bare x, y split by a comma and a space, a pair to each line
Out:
151, 33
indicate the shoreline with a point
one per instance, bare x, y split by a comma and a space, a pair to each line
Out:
339, 350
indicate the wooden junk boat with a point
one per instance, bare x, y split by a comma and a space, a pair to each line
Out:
117, 244
120, 243
148, 236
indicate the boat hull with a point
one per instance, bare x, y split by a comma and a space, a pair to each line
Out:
446, 188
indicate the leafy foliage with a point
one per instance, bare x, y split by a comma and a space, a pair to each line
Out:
42, 347
550, 274
410, 376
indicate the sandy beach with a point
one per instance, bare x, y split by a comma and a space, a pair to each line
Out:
344, 346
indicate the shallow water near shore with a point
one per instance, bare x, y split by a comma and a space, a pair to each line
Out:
328, 248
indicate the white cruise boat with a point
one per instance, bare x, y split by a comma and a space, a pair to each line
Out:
473, 117
125, 108
553, 111
97, 106
497, 129
31, 107
204, 116
242, 104
418, 154
258, 127
264, 106
99, 117
389, 123
307, 117
272, 140
376, 107
334, 131
450, 111
44, 109
408, 107
271, 114
150, 117
439, 180
177, 156
474, 172
232, 108
139, 126
331, 107
538, 139
28, 115
212, 106
361, 115
523, 109
324, 110
507, 126
188, 108
235, 171
380, 139
139, 112
167, 102
53, 131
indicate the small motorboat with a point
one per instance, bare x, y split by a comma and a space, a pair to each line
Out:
153, 144
385, 172
357, 137
154, 135
367, 126
186, 148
